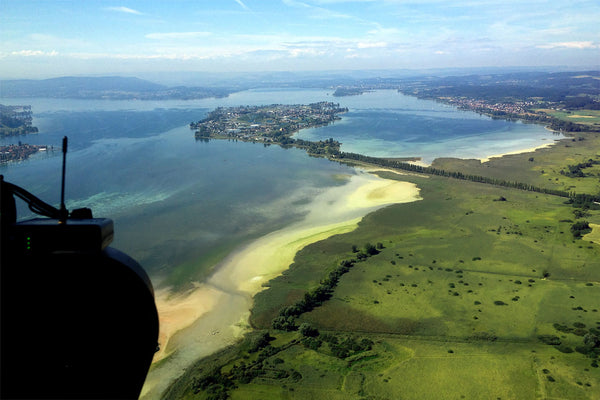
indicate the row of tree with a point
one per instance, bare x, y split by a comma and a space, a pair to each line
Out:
575, 171
383, 162
286, 320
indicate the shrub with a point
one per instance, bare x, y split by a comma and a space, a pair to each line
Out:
307, 329
329, 338
580, 228
366, 344
484, 336
370, 249
564, 349
284, 323
296, 376
260, 341
550, 339
500, 303
312, 343
562, 328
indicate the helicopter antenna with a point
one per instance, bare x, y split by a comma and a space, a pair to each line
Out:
63, 210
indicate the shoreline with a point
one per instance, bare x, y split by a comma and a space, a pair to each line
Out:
513, 152
214, 314
419, 161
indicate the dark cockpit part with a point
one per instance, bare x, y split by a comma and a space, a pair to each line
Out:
78, 318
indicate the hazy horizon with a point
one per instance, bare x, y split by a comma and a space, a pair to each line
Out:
43, 39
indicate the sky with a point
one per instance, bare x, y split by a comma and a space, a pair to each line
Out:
47, 38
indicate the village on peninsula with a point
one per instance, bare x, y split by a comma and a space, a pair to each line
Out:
271, 124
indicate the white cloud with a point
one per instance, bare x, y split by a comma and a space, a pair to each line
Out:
245, 7
570, 45
317, 12
380, 31
177, 35
34, 53
371, 45
126, 10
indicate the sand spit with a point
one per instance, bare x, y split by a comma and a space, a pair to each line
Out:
530, 150
594, 235
215, 313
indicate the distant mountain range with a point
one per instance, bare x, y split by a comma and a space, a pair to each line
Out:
110, 88
475, 83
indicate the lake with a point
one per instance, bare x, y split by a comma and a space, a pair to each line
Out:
182, 206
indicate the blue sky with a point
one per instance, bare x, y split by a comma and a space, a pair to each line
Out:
45, 38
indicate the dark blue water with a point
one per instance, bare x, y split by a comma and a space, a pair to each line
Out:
175, 201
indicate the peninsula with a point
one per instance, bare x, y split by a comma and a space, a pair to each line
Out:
271, 124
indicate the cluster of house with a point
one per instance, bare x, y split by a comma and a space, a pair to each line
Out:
518, 107
262, 123
18, 152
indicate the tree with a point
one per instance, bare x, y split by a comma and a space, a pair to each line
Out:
284, 323
370, 249
580, 228
307, 329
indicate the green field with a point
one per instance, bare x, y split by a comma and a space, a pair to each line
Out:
469, 286
584, 117
542, 167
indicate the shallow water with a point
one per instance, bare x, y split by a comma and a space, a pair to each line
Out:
390, 124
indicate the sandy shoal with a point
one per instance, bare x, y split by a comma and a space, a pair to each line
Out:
214, 314
594, 235
528, 150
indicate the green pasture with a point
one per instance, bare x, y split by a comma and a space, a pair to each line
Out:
584, 117
542, 167
467, 283
460, 226
404, 368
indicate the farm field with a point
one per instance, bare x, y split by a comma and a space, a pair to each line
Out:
583, 117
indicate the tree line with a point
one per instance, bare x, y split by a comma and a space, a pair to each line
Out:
286, 320
383, 162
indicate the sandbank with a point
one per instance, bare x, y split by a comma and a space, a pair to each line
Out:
594, 235
214, 314
528, 150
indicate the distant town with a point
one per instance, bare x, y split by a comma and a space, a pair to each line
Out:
272, 124
20, 152
16, 121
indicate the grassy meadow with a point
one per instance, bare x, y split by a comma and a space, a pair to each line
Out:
583, 117
542, 167
477, 292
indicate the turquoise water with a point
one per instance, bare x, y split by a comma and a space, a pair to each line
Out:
174, 199
389, 124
